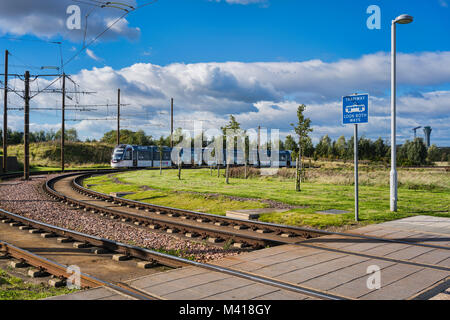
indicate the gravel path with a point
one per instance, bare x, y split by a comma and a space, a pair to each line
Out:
26, 198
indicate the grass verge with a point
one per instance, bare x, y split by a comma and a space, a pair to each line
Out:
211, 194
13, 288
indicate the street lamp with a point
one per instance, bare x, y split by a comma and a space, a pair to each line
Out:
402, 19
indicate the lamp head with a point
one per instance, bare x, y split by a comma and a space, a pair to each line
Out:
403, 19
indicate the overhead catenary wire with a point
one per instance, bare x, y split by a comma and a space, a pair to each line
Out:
85, 46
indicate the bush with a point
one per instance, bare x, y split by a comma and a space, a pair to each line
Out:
239, 172
48, 154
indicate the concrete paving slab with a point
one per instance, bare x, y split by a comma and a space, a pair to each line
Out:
100, 293
247, 293
216, 287
293, 276
162, 277
310, 265
281, 295
168, 287
444, 263
339, 277
432, 257
358, 287
408, 286
409, 253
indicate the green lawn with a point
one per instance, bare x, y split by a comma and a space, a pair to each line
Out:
374, 200
13, 288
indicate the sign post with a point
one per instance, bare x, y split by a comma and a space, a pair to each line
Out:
355, 109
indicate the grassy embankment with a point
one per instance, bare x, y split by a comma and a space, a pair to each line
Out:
13, 288
421, 191
47, 155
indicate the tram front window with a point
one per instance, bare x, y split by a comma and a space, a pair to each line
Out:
118, 154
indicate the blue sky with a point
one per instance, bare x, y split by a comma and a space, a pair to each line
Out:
187, 48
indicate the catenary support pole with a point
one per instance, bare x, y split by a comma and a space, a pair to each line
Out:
171, 123
5, 116
258, 160
118, 116
26, 165
63, 120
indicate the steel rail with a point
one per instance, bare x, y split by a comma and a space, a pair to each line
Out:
168, 260
60, 271
311, 244
257, 242
302, 232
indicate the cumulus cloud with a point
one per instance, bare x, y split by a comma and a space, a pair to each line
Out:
268, 94
47, 19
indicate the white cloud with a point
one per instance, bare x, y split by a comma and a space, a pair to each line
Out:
47, 19
92, 55
268, 94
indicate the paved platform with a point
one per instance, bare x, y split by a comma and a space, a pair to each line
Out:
101, 293
419, 268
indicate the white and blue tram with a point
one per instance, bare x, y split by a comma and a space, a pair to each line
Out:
132, 156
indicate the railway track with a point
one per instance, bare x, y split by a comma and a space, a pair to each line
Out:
216, 229
242, 232
253, 234
60, 271
139, 213
143, 254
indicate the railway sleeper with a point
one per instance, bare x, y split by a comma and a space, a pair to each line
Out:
18, 264
173, 214
215, 240
191, 234
5, 256
146, 264
57, 282
38, 273
221, 223
263, 231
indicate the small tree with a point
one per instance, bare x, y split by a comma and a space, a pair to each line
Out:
232, 125
302, 129
434, 153
160, 149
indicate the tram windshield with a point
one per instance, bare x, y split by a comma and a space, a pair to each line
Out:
118, 154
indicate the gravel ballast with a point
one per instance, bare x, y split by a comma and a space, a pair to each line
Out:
27, 198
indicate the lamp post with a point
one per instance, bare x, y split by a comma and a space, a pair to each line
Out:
402, 19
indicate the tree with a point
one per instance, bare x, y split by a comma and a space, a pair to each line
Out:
412, 153
234, 126
417, 152
341, 147
290, 144
128, 137
323, 148
433, 153
308, 148
380, 149
69, 135
160, 149
302, 129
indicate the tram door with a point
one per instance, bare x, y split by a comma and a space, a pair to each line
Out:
135, 158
